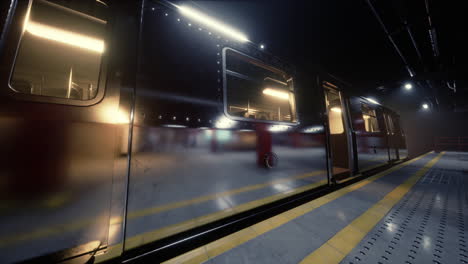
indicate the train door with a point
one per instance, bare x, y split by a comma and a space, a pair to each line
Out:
369, 131
401, 139
339, 133
392, 136
59, 123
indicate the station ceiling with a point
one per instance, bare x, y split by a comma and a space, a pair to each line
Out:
349, 39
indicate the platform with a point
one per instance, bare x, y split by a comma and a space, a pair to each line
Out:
414, 212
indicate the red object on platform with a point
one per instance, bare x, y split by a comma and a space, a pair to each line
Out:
264, 143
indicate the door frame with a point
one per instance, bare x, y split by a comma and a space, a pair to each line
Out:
325, 85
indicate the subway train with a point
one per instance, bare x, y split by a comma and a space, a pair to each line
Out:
128, 122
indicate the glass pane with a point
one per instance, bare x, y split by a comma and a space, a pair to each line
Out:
60, 53
370, 119
391, 127
257, 91
335, 115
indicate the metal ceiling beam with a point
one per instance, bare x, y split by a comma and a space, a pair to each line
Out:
390, 38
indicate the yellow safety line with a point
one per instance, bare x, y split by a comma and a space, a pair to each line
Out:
61, 228
229, 242
341, 244
154, 235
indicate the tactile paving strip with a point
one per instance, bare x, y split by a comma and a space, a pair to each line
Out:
426, 226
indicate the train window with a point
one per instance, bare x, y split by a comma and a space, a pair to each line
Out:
257, 91
335, 115
60, 51
370, 119
390, 125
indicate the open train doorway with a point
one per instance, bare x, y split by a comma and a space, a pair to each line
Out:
338, 125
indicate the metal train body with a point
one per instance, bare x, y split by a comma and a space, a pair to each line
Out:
156, 125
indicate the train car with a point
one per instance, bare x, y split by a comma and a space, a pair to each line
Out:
363, 134
378, 135
129, 122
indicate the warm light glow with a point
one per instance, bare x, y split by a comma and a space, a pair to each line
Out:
212, 23
276, 93
66, 37
336, 109
115, 116
26, 19
122, 117
372, 100
408, 86
425, 106
365, 116
223, 122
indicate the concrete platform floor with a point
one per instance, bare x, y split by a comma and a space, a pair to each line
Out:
415, 212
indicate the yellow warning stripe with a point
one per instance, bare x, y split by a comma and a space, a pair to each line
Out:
229, 242
341, 244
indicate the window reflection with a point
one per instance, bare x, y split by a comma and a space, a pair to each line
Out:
370, 119
60, 52
257, 91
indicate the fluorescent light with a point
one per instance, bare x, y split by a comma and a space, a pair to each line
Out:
336, 109
210, 22
372, 100
425, 106
276, 93
66, 37
408, 86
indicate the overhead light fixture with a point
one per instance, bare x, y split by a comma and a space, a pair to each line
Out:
276, 93
262, 46
408, 86
425, 106
372, 100
212, 23
335, 109
65, 37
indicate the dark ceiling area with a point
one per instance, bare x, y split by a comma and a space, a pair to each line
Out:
376, 46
